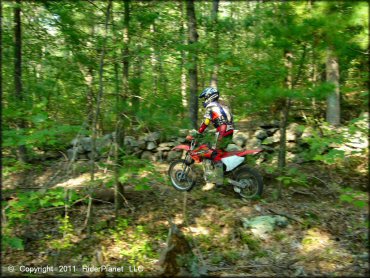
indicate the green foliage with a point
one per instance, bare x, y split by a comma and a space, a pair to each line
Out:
24, 204
12, 242
65, 229
351, 196
253, 244
293, 177
140, 173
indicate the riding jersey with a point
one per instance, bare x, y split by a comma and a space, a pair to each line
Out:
221, 118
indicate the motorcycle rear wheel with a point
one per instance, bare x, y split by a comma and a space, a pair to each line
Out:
251, 180
181, 175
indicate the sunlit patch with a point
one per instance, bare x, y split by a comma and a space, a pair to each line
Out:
80, 180
320, 252
199, 230
315, 240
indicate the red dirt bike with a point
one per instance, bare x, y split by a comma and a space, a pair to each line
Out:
247, 181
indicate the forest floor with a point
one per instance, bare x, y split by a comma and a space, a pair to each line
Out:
325, 237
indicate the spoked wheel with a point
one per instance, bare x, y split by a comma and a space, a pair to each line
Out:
251, 183
181, 175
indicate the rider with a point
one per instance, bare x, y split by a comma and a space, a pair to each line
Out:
222, 119
219, 115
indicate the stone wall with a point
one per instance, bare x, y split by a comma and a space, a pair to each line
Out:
153, 146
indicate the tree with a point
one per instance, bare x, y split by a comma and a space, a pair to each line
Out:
214, 77
22, 151
333, 100
193, 73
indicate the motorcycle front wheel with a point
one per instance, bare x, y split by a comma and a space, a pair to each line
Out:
181, 175
251, 183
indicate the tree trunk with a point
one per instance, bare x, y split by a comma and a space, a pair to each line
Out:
284, 113
121, 120
214, 76
96, 118
154, 61
333, 100
184, 97
136, 87
193, 74
22, 151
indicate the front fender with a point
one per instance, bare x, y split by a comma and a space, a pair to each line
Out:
181, 147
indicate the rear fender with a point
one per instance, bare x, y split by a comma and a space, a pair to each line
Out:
181, 148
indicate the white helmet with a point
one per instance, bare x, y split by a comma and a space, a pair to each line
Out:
209, 94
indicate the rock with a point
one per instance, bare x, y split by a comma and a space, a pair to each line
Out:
272, 139
307, 133
261, 226
363, 120
232, 147
270, 124
71, 154
86, 143
260, 134
151, 146
104, 142
90, 156
240, 138
167, 144
141, 144
358, 141
158, 156
147, 155
142, 137
271, 131
153, 136
130, 141
253, 143
172, 155
293, 132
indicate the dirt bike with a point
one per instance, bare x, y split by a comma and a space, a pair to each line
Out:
247, 181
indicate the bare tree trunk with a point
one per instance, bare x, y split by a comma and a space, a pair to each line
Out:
136, 88
154, 60
119, 130
121, 99
126, 51
96, 118
184, 97
284, 113
214, 76
193, 74
22, 151
333, 100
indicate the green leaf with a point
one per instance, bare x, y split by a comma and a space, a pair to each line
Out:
142, 187
359, 203
16, 243
346, 198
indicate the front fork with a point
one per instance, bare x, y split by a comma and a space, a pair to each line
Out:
185, 167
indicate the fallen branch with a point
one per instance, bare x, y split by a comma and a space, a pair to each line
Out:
302, 192
286, 215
